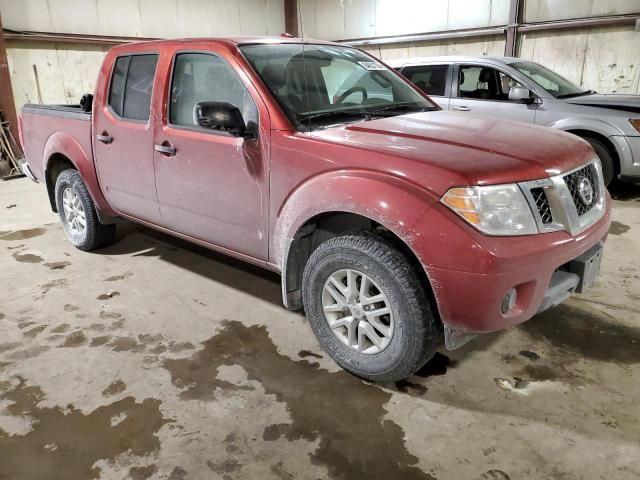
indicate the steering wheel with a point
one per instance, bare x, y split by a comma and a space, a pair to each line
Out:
344, 96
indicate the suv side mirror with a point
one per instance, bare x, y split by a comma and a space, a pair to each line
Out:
521, 94
223, 117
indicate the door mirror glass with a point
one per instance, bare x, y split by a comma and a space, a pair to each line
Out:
222, 117
520, 94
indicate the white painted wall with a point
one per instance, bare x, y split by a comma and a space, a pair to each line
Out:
66, 71
348, 19
606, 60
146, 18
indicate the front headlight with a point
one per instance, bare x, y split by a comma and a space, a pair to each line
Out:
635, 123
493, 209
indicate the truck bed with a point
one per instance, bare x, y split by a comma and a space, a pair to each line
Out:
48, 125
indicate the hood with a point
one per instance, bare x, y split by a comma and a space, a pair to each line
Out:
463, 149
629, 103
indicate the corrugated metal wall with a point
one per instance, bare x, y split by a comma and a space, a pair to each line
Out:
66, 70
605, 59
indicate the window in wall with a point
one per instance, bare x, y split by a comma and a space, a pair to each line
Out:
201, 77
131, 86
431, 79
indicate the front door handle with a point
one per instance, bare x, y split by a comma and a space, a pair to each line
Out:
166, 149
462, 108
104, 138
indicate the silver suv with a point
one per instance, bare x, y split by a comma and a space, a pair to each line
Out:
526, 91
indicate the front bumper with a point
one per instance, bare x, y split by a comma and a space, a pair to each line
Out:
474, 272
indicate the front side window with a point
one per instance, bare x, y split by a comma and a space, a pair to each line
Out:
202, 77
484, 83
431, 79
321, 85
131, 86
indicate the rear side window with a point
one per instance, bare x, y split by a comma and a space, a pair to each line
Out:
431, 79
131, 86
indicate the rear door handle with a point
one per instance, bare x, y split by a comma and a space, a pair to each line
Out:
462, 108
165, 148
104, 138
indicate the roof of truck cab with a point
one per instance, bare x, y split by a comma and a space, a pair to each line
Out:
450, 59
224, 41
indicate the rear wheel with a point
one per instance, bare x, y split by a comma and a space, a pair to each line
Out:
78, 214
606, 159
368, 308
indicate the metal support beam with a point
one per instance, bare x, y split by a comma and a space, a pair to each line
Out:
429, 36
291, 20
71, 38
511, 41
7, 104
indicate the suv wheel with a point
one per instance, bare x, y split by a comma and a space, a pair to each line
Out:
78, 214
368, 308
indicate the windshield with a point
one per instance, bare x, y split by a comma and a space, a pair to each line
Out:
326, 84
553, 83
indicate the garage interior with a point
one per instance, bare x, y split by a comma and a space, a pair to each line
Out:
155, 358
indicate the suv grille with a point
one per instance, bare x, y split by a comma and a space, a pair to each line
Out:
584, 197
541, 201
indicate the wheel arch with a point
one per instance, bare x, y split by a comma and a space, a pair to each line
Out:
389, 207
62, 151
582, 133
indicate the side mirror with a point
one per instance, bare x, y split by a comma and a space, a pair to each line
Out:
521, 94
223, 117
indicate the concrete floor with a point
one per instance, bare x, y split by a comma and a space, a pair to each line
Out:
157, 359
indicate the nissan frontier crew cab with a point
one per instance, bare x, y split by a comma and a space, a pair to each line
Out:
394, 224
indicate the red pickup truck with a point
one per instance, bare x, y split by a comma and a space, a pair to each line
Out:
393, 223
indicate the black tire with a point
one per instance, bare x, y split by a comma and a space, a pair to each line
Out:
606, 159
95, 234
417, 331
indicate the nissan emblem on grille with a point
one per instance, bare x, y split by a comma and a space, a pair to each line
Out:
585, 190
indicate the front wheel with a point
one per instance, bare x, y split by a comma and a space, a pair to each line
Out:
78, 214
606, 160
368, 307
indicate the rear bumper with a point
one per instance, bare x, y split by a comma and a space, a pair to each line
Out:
471, 288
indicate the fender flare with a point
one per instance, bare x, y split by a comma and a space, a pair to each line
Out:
394, 203
595, 125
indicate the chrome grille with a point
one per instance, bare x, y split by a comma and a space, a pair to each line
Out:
573, 183
570, 201
542, 203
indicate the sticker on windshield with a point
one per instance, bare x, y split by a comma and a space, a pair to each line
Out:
372, 65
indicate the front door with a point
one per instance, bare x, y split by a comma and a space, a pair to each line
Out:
123, 146
211, 184
484, 90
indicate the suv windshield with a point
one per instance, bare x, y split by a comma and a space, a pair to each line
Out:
553, 83
325, 85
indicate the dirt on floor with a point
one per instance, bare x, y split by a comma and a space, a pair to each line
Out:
154, 358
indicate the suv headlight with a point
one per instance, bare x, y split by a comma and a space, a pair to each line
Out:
493, 209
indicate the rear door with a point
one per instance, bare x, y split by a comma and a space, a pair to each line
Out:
434, 79
484, 90
212, 185
123, 143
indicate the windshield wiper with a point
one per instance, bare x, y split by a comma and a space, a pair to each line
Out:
335, 114
579, 94
400, 108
